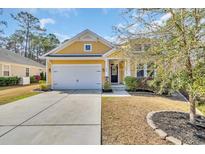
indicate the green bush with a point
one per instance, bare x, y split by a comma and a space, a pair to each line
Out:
44, 86
32, 79
107, 85
9, 81
160, 87
43, 76
131, 83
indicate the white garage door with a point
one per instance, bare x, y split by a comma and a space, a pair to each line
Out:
86, 76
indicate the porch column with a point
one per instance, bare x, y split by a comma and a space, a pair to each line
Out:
46, 71
145, 70
106, 68
128, 68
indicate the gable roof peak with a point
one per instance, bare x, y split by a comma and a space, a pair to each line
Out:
106, 42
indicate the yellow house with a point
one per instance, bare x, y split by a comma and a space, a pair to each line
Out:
85, 62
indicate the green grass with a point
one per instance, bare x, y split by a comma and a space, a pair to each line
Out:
10, 99
201, 107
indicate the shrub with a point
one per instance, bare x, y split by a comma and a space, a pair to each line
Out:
161, 87
143, 83
107, 85
44, 86
32, 79
43, 76
9, 81
35, 79
131, 83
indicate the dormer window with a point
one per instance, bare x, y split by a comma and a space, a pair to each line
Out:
87, 47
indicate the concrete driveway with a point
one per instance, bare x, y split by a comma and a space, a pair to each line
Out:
57, 117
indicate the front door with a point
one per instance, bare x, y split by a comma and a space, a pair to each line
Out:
114, 73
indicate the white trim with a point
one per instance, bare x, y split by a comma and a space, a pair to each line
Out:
47, 71
75, 58
106, 67
109, 52
125, 68
145, 70
28, 71
67, 43
91, 48
117, 58
118, 73
76, 64
128, 68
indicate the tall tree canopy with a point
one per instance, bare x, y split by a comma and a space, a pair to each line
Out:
29, 26
3, 24
41, 44
177, 48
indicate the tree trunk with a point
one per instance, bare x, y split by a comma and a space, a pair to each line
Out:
192, 110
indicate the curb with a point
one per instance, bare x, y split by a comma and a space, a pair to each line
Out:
163, 135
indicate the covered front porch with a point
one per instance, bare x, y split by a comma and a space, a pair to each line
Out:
116, 70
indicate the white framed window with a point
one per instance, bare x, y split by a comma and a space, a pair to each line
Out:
27, 72
138, 47
140, 71
146, 47
87, 47
145, 70
6, 70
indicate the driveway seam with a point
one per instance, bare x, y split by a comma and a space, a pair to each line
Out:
56, 102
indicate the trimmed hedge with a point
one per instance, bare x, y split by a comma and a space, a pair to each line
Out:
131, 83
134, 84
9, 81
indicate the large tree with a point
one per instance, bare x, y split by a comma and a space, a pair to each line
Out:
29, 26
40, 44
15, 42
3, 24
177, 48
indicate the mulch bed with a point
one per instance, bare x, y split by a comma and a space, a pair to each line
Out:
177, 124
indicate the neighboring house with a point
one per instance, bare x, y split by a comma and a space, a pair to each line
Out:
12, 64
86, 61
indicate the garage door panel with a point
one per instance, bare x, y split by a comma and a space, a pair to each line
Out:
77, 77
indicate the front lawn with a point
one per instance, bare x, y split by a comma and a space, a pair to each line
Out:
15, 93
124, 118
8, 87
10, 99
13, 87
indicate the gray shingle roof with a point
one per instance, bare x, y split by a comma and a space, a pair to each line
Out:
11, 57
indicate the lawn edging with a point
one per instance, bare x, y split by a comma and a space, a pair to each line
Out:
163, 135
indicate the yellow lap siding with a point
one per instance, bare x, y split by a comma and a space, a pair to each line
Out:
51, 62
78, 48
117, 54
